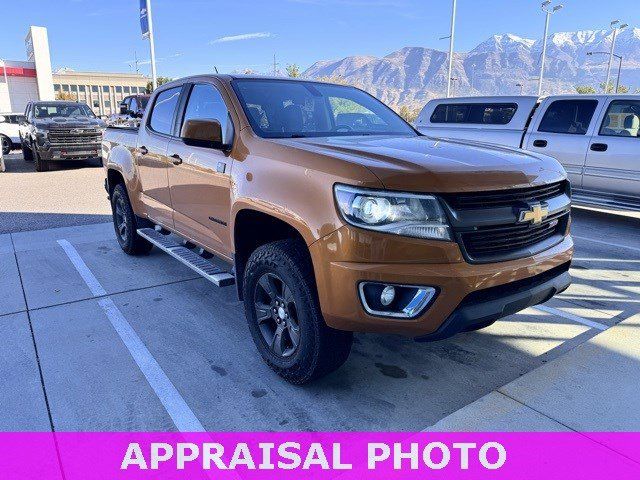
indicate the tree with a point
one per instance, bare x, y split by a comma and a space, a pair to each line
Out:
611, 88
160, 80
585, 89
67, 96
293, 70
409, 114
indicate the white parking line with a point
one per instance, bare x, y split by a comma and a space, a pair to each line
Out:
609, 244
571, 316
182, 416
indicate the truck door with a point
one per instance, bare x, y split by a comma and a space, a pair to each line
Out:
151, 156
562, 129
613, 159
199, 176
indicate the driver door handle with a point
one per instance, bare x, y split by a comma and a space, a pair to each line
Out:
177, 160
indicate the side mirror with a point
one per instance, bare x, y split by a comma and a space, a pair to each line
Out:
203, 133
123, 109
21, 119
3, 119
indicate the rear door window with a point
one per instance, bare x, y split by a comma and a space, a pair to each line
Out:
164, 110
474, 113
568, 116
622, 119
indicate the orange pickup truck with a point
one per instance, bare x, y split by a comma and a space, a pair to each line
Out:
332, 215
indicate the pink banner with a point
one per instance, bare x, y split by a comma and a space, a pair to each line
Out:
295, 455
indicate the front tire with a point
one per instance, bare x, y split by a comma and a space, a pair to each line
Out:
284, 317
125, 223
39, 164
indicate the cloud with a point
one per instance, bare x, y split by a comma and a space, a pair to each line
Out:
243, 36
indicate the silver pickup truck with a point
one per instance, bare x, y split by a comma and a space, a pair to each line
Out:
595, 137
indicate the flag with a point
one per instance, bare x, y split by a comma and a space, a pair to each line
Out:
144, 19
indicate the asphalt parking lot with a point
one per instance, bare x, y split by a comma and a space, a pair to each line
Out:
91, 339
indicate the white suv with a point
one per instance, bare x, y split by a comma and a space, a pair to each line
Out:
9, 134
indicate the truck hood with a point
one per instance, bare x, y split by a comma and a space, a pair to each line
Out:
71, 122
425, 164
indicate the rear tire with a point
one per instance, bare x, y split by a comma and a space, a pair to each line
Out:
125, 223
306, 348
27, 154
6, 144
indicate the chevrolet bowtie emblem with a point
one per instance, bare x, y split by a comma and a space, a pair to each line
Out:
535, 214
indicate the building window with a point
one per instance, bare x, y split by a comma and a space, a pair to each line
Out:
56, 87
127, 90
65, 88
107, 104
74, 88
94, 88
105, 89
118, 89
96, 104
82, 88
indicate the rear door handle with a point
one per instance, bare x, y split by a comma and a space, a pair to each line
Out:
144, 150
540, 143
599, 147
177, 160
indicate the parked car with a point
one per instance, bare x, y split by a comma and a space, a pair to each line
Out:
595, 137
10, 131
329, 224
59, 131
130, 111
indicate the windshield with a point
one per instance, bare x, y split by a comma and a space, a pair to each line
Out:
48, 110
290, 109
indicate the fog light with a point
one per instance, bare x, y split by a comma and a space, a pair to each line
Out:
387, 296
397, 301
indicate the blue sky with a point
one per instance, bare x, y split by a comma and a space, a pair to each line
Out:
194, 35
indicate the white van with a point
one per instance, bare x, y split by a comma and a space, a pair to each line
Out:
595, 137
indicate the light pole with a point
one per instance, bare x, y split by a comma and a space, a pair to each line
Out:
521, 87
619, 57
616, 27
451, 38
546, 7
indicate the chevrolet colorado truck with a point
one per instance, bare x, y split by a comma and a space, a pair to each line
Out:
59, 131
332, 215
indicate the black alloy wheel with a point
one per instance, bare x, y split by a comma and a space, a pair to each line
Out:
277, 315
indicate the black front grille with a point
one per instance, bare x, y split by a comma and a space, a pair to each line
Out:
70, 136
495, 198
503, 242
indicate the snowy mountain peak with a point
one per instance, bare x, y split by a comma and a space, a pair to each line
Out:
503, 64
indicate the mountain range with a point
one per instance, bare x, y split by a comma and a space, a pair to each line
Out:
497, 66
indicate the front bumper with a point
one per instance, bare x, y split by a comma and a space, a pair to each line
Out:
483, 307
348, 256
76, 152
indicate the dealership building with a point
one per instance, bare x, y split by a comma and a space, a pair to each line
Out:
33, 79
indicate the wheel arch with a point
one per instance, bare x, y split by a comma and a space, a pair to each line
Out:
253, 228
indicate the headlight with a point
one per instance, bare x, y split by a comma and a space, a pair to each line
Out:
406, 214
